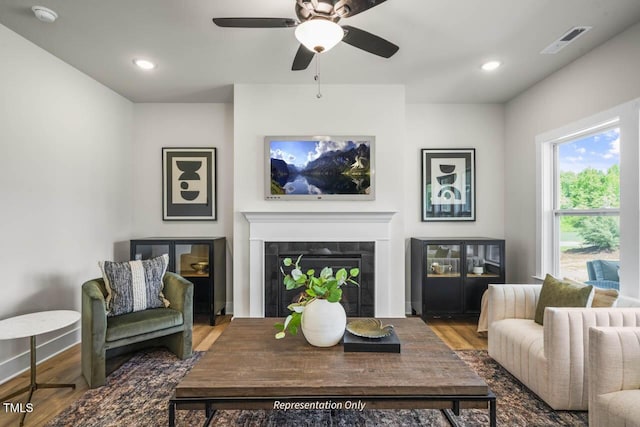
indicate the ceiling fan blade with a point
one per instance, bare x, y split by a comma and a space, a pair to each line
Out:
353, 7
255, 22
303, 58
368, 42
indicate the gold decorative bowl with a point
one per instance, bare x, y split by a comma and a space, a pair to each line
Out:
201, 267
369, 328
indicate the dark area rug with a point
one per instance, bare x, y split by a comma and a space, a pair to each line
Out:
137, 394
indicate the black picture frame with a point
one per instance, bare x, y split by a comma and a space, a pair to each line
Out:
448, 184
189, 184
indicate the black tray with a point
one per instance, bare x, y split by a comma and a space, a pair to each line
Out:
388, 344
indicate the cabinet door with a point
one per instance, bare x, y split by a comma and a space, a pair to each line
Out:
484, 266
484, 259
150, 249
193, 262
442, 291
473, 290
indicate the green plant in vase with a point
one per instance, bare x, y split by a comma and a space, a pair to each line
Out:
326, 286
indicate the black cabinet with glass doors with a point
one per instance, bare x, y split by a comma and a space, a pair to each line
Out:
202, 261
449, 276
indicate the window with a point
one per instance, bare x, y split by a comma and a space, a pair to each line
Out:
588, 197
586, 201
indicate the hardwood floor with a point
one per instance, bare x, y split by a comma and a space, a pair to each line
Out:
458, 334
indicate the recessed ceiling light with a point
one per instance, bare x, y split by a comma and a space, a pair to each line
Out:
144, 64
491, 65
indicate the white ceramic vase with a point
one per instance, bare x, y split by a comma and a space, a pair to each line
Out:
323, 322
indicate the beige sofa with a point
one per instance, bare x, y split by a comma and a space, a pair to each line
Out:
551, 360
614, 377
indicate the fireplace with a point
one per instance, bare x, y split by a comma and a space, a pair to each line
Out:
358, 301
323, 229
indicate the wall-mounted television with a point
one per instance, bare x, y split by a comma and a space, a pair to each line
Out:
319, 168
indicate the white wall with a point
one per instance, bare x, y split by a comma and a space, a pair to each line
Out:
64, 187
261, 110
181, 125
598, 81
479, 126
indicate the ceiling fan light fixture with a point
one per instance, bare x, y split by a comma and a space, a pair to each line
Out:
319, 34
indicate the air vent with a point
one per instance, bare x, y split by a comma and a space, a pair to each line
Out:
565, 39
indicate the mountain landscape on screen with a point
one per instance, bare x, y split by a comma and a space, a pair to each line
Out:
331, 167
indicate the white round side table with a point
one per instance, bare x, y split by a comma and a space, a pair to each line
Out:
30, 325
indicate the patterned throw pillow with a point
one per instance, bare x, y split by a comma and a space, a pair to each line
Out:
134, 285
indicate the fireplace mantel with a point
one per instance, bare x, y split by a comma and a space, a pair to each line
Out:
318, 226
254, 217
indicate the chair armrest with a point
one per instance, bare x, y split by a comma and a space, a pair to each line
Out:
179, 292
566, 340
512, 302
604, 284
94, 311
614, 359
566, 330
613, 365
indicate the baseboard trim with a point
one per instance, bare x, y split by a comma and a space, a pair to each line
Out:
15, 366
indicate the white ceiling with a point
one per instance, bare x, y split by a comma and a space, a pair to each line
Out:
442, 44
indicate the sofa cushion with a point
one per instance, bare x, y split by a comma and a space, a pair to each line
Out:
604, 297
601, 297
606, 270
134, 285
142, 322
556, 293
620, 408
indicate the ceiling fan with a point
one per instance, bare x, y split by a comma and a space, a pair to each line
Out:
317, 28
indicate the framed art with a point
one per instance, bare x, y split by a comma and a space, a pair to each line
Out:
448, 184
189, 184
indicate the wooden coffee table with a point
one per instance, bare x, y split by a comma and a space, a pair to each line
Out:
246, 368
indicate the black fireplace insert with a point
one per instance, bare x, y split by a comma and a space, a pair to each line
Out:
358, 301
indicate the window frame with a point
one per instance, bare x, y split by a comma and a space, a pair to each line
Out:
627, 118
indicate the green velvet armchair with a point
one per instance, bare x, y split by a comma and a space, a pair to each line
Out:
103, 336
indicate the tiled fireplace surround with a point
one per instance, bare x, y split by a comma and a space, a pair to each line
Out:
318, 227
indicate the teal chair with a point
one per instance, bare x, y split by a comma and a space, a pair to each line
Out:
104, 337
603, 274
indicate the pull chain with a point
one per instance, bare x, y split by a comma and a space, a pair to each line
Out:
317, 76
